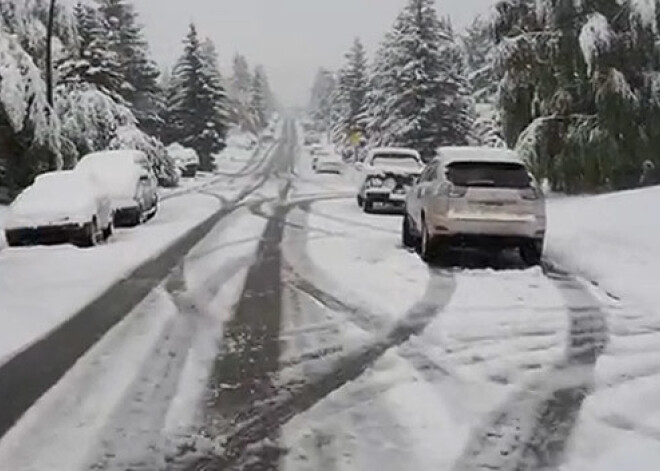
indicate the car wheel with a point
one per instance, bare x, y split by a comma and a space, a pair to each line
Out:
407, 237
430, 248
108, 231
90, 235
360, 201
532, 253
368, 206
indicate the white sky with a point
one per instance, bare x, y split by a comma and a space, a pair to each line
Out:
291, 38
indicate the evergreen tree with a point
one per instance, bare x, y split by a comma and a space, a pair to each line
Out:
259, 99
478, 41
126, 40
421, 96
240, 93
93, 62
321, 101
579, 89
350, 94
197, 113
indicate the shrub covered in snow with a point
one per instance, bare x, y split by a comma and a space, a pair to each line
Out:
131, 138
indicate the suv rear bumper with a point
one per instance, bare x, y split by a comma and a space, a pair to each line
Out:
46, 235
385, 196
501, 232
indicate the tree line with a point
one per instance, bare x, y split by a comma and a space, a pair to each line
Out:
574, 86
110, 93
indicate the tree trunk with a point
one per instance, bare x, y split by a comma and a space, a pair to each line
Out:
49, 71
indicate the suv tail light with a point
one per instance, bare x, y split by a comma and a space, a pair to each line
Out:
530, 194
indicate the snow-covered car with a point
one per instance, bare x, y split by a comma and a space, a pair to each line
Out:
127, 178
318, 154
328, 162
386, 175
59, 207
476, 196
186, 159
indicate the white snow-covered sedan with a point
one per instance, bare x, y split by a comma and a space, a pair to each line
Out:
59, 207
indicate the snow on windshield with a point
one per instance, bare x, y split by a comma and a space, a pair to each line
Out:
395, 160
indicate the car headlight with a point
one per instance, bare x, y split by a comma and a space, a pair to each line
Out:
375, 182
390, 183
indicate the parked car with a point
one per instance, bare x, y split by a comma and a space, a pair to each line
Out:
59, 207
328, 162
318, 154
385, 176
127, 178
476, 196
185, 158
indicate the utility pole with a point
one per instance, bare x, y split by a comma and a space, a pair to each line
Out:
49, 69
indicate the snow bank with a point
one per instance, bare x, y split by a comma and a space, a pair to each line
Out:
611, 239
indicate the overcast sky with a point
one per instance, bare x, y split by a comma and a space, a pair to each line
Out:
291, 38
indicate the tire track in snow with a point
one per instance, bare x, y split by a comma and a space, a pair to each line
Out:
531, 429
133, 438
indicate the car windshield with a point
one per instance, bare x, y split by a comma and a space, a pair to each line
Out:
396, 160
488, 174
330, 235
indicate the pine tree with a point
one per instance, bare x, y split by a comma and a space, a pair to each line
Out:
259, 99
350, 95
197, 111
126, 40
421, 96
93, 62
240, 93
579, 87
321, 100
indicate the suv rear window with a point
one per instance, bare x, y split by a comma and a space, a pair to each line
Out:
488, 174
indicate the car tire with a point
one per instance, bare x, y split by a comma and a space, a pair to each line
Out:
360, 201
531, 253
368, 206
430, 248
408, 239
90, 235
108, 231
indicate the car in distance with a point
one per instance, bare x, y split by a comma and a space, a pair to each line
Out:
127, 178
318, 154
479, 197
385, 176
328, 162
185, 158
59, 207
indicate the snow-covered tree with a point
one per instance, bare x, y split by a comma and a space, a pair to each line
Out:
93, 61
29, 129
259, 107
321, 100
240, 93
350, 93
579, 88
197, 103
126, 40
420, 95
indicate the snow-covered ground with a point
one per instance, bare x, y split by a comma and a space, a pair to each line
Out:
613, 240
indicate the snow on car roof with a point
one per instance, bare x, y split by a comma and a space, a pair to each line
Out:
116, 171
54, 192
477, 154
395, 150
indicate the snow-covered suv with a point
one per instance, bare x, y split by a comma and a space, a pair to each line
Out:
386, 175
476, 196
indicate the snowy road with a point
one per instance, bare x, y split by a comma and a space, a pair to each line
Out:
297, 334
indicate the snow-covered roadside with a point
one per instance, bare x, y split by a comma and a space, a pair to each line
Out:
66, 278
611, 239
614, 240
89, 419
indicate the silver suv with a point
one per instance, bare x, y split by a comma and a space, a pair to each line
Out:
475, 196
